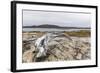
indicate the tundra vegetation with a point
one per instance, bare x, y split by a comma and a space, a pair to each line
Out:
72, 45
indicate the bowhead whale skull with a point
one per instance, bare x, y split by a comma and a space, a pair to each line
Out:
41, 44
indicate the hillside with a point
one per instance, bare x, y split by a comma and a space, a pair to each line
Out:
54, 26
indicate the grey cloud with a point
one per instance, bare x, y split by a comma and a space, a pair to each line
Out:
56, 18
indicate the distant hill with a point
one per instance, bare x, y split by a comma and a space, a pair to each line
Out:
54, 26
43, 26
48, 26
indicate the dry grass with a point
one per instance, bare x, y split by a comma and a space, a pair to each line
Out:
81, 33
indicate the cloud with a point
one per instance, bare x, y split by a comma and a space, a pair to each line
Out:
56, 18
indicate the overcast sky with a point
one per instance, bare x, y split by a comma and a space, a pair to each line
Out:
56, 18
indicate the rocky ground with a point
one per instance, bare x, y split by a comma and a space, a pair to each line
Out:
60, 48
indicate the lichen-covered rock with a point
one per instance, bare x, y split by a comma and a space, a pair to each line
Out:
28, 56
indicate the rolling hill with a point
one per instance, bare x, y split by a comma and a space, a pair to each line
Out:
54, 26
